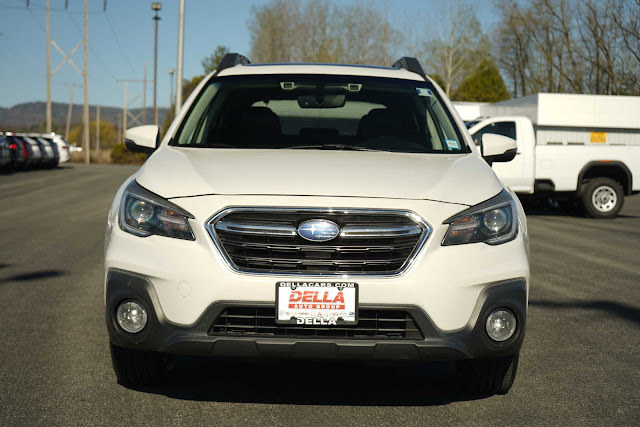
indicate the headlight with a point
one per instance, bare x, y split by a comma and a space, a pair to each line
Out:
493, 222
144, 213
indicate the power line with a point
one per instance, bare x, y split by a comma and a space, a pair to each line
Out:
115, 36
44, 8
37, 21
84, 72
93, 53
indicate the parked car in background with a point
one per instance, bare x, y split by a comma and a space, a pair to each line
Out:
28, 152
54, 147
5, 153
63, 146
19, 153
36, 155
75, 148
50, 149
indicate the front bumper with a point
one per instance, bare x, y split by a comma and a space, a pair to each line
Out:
471, 341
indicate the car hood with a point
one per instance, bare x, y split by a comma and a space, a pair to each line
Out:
186, 172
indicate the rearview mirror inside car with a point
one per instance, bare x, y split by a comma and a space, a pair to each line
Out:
322, 101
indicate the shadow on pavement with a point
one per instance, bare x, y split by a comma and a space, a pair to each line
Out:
34, 275
621, 311
550, 207
312, 383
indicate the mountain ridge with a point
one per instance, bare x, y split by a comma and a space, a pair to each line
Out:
30, 116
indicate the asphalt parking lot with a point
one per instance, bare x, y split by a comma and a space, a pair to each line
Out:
580, 363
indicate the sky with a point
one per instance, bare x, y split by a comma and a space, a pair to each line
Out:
121, 42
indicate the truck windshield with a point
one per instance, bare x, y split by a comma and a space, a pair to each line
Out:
320, 112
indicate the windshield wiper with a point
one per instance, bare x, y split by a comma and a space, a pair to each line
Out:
203, 145
330, 147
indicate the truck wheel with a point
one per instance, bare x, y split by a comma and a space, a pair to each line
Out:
602, 198
136, 367
488, 376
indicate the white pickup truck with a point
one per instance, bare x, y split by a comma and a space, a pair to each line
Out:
596, 175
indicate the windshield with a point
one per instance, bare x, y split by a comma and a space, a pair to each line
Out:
320, 112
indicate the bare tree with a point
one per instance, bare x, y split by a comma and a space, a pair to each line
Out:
626, 17
313, 33
272, 30
364, 35
321, 31
512, 45
579, 46
460, 47
211, 62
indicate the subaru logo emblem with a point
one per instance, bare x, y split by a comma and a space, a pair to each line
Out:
318, 230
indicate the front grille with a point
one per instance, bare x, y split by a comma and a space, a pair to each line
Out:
266, 241
381, 324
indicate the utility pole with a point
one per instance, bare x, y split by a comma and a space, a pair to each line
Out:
48, 116
124, 109
144, 96
171, 100
180, 54
156, 6
97, 131
69, 111
119, 134
85, 112
126, 113
84, 73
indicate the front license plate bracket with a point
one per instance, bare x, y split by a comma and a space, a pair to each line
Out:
316, 304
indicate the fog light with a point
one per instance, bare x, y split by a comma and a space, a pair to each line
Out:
132, 317
501, 325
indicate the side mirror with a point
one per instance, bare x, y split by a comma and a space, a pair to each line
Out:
142, 139
498, 148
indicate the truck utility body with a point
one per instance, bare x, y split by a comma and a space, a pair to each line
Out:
581, 147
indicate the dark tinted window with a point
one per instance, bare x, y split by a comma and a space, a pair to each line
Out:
499, 128
306, 111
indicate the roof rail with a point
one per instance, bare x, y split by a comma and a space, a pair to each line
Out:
410, 64
231, 60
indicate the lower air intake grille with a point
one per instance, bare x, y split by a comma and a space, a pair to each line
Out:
379, 324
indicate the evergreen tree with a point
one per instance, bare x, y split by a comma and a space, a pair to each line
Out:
187, 88
484, 84
438, 79
210, 63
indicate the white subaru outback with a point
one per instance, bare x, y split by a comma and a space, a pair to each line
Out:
317, 211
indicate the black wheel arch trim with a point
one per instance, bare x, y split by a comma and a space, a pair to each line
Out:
627, 189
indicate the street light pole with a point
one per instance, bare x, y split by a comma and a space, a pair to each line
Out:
171, 71
156, 6
180, 53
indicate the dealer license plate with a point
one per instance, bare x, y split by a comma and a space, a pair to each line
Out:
317, 303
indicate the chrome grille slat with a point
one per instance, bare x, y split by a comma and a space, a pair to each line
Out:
285, 247
353, 231
255, 228
265, 240
322, 261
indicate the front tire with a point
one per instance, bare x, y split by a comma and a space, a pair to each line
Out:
602, 198
137, 367
488, 376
